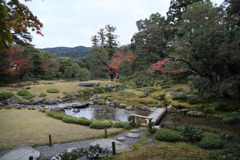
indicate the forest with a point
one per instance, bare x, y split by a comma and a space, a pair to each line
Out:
196, 41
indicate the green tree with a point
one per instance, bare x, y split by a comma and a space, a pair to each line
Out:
98, 60
84, 74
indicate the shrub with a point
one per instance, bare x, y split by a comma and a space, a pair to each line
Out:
159, 97
25, 93
7, 107
6, 95
84, 121
121, 125
69, 119
194, 99
43, 95
142, 96
168, 135
56, 115
191, 132
210, 141
96, 124
181, 97
180, 89
233, 118
101, 103
53, 90
105, 95
19, 107
221, 106
28, 87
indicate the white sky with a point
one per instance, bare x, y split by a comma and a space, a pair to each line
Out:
71, 23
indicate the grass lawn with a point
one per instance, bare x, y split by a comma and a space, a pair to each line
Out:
31, 127
164, 151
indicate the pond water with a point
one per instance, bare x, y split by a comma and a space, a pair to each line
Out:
101, 112
213, 124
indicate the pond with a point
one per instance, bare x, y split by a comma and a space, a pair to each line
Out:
210, 123
101, 112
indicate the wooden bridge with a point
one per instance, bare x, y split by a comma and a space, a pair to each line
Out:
154, 117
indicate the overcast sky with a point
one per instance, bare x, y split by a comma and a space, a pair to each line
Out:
71, 23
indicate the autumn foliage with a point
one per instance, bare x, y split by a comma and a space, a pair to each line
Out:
165, 66
119, 58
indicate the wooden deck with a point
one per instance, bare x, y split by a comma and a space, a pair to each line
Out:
157, 115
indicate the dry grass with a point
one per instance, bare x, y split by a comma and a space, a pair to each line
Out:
43, 85
31, 127
165, 151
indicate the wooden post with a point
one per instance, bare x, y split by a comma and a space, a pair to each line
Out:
150, 125
133, 120
50, 140
113, 148
105, 132
31, 158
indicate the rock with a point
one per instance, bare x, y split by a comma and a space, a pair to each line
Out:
130, 108
95, 96
120, 88
142, 128
67, 107
120, 138
75, 110
135, 130
122, 105
58, 109
144, 108
80, 105
133, 135
40, 101
11, 100
183, 111
107, 143
170, 108
128, 86
88, 84
37, 95
21, 153
52, 101
195, 113
99, 109
110, 88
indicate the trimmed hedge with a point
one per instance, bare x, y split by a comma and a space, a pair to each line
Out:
53, 90
96, 124
56, 115
69, 119
210, 141
168, 135
25, 93
124, 125
84, 121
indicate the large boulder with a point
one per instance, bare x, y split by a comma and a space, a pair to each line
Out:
80, 105
58, 109
21, 153
52, 101
12, 100
195, 113
39, 101
144, 108
88, 84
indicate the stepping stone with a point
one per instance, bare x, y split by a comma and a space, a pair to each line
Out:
142, 128
135, 130
107, 143
133, 135
120, 138
21, 153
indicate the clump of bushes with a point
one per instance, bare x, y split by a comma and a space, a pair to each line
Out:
168, 135
194, 99
43, 95
25, 93
159, 97
191, 132
233, 118
5, 95
142, 96
53, 90
221, 106
124, 125
181, 97
84, 121
96, 124
7, 107
42, 110
210, 141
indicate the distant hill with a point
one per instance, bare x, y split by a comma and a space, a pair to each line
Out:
74, 52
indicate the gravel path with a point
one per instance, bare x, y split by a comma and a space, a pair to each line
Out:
48, 152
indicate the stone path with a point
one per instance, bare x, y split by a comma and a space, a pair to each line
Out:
123, 141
